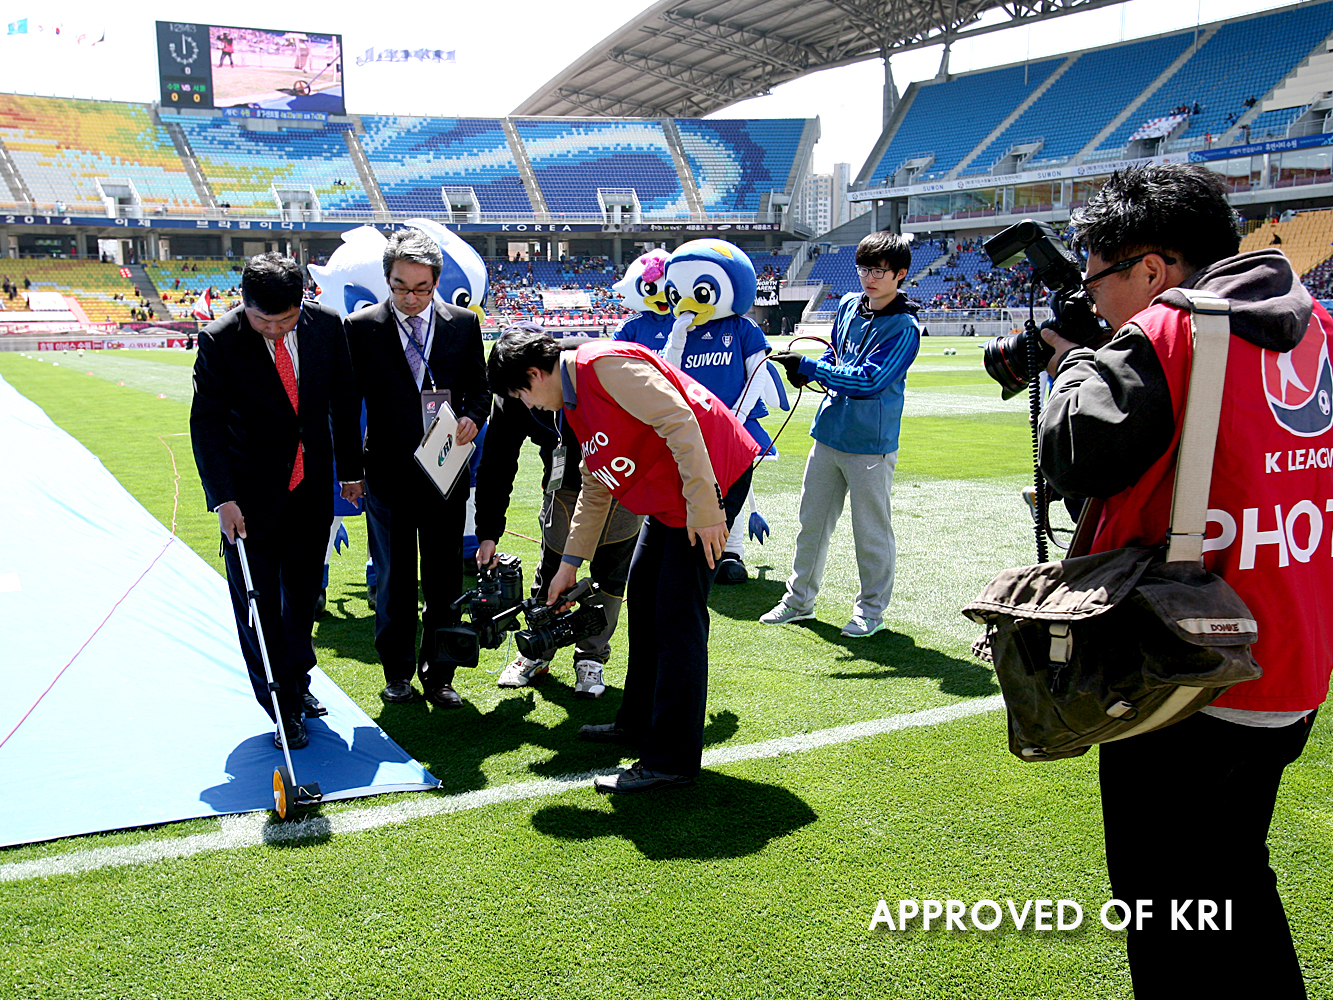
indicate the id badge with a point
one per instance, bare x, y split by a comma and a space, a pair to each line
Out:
557, 469
431, 405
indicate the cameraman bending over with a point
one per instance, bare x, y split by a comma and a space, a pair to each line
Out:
663, 445
1187, 808
511, 424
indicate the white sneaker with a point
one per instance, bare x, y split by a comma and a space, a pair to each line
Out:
588, 682
522, 672
782, 614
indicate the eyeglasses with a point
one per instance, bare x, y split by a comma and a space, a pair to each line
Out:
1124, 265
418, 292
872, 272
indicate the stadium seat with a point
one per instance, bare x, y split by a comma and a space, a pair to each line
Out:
62, 147
91, 283
244, 166
736, 161
413, 158
572, 158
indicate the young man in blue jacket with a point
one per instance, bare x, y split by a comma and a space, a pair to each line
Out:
875, 339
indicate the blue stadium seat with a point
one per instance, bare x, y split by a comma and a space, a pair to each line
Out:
572, 158
1243, 59
243, 166
414, 157
837, 266
735, 161
1085, 97
950, 118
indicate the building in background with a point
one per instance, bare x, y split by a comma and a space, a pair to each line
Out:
821, 204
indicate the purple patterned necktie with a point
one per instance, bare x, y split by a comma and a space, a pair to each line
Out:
414, 356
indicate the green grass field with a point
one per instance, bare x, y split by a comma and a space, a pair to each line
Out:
758, 882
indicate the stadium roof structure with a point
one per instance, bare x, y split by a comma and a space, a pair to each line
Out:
689, 58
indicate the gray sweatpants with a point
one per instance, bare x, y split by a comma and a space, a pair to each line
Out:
829, 475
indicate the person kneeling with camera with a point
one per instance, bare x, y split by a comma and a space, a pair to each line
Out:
510, 425
1187, 808
658, 442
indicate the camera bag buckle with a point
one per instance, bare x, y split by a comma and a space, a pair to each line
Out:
1061, 642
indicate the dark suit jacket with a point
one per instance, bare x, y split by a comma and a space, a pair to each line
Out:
393, 402
242, 425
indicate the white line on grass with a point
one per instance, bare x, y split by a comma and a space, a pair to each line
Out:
255, 829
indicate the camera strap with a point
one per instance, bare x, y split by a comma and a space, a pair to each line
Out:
1210, 321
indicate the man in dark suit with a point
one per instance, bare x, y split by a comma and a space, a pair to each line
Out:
404, 351
274, 401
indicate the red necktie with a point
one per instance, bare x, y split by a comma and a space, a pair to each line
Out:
288, 375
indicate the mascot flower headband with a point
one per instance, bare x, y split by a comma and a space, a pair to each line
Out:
642, 287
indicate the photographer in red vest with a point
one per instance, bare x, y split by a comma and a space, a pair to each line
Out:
1187, 808
663, 445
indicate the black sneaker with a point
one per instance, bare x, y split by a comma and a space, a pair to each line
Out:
297, 737
638, 779
730, 569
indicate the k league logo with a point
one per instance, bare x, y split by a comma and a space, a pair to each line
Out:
1299, 384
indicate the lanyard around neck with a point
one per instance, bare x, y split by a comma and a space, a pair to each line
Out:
430, 332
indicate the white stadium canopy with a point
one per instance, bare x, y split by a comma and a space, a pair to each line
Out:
688, 58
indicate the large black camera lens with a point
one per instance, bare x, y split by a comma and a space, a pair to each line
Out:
1006, 361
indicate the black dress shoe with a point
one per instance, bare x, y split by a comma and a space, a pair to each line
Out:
398, 692
444, 696
297, 737
321, 602
638, 779
606, 733
730, 569
312, 706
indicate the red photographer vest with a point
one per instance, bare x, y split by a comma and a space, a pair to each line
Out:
631, 458
1270, 531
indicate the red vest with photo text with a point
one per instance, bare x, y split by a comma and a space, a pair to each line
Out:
631, 458
1270, 506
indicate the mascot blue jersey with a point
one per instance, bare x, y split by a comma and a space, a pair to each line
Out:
648, 329
714, 356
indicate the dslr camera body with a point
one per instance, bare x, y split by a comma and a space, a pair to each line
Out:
1013, 361
493, 609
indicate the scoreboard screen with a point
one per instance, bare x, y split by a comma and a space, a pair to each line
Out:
213, 66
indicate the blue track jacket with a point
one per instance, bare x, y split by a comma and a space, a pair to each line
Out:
864, 407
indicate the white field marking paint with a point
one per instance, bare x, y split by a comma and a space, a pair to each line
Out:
256, 829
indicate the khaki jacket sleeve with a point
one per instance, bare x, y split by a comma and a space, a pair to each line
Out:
589, 517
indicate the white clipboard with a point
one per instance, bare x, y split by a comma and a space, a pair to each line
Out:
440, 454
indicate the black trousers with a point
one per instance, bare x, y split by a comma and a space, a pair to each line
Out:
415, 521
284, 545
1186, 811
666, 673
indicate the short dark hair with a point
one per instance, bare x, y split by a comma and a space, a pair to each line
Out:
884, 249
272, 283
415, 247
1179, 208
517, 350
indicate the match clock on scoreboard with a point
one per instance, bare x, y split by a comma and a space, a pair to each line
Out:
185, 69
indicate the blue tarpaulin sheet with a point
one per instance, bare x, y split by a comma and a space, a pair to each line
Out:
124, 700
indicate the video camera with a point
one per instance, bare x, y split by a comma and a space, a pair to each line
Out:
1012, 361
494, 608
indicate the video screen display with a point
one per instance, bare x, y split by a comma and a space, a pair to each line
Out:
213, 66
